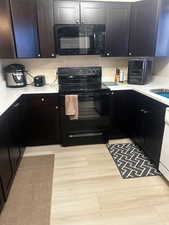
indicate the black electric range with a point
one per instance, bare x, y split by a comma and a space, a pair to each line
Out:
93, 121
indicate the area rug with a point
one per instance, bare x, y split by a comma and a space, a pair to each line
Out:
131, 161
29, 201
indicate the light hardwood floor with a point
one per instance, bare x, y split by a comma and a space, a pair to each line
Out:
88, 190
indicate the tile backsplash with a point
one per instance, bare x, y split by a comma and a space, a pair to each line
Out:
48, 67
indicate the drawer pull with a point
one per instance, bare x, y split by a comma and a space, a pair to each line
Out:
57, 107
42, 99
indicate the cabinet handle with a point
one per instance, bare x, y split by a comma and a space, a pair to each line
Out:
57, 107
145, 112
112, 93
52, 54
130, 53
107, 53
42, 99
16, 105
38, 55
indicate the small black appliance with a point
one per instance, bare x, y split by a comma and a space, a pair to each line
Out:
140, 71
39, 81
15, 75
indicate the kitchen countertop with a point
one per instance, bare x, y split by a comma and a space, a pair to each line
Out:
9, 95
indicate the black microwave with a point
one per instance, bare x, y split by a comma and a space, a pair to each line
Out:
79, 39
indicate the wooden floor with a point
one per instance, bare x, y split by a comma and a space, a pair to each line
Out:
88, 190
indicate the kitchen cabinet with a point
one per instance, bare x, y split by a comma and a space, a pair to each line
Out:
14, 115
7, 47
25, 28
5, 163
124, 112
42, 125
153, 127
149, 28
11, 149
144, 18
45, 28
142, 119
66, 12
117, 29
93, 12
2, 200
74, 12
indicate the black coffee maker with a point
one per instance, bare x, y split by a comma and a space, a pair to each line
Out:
15, 75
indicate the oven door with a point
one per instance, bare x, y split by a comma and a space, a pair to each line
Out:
79, 39
93, 123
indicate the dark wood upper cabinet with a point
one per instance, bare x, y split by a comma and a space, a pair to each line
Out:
92, 12
66, 12
74, 12
144, 18
7, 49
162, 45
117, 29
24, 15
45, 27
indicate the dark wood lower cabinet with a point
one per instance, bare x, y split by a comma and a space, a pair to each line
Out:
5, 163
42, 119
142, 119
2, 199
10, 145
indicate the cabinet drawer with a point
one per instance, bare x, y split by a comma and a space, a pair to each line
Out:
47, 99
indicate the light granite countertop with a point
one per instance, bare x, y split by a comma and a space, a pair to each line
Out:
9, 95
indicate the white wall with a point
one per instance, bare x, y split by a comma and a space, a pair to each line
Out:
49, 67
161, 70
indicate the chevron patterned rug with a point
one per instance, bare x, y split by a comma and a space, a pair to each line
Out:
131, 161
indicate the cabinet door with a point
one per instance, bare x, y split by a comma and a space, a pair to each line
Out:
124, 111
14, 126
45, 28
5, 164
25, 28
66, 12
143, 28
2, 200
7, 49
42, 119
93, 13
154, 129
117, 29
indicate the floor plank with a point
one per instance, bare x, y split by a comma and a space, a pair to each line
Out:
88, 190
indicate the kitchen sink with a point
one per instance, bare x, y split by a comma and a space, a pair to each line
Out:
161, 92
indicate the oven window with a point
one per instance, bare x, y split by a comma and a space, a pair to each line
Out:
75, 42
